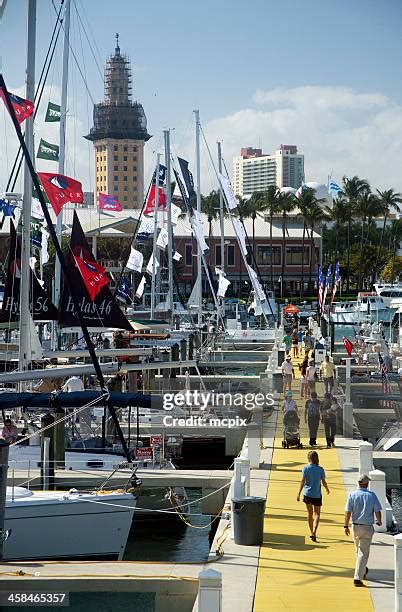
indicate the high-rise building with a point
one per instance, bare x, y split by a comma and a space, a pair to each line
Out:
253, 170
119, 134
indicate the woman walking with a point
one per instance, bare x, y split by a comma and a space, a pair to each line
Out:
303, 379
295, 343
312, 413
312, 477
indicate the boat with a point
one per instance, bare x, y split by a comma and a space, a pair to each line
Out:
67, 524
369, 307
391, 293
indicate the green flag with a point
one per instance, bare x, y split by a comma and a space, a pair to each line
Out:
47, 150
53, 112
35, 195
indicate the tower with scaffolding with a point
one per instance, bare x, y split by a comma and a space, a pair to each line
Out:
119, 134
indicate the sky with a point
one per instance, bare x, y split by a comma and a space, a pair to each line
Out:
321, 74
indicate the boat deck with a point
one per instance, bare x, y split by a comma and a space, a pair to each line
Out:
294, 573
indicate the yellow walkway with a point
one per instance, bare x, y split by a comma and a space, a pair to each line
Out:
294, 573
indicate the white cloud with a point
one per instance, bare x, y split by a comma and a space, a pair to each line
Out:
339, 130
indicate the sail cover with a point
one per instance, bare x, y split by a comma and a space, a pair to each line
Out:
40, 306
104, 310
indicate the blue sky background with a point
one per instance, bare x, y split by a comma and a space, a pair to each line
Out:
215, 56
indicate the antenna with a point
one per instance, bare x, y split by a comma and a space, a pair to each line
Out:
117, 44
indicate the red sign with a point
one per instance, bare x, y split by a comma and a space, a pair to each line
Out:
156, 440
144, 453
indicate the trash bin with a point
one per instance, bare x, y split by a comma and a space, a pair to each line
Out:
248, 520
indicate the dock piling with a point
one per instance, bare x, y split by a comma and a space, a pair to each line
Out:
377, 485
398, 572
365, 457
210, 591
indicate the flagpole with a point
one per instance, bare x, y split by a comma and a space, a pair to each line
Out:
62, 153
221, 220
198, 174
169, 222
156, 206
24, 325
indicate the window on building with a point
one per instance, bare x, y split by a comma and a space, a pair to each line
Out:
134, 158
189, 254
125, 148
116, 178
125, 158
125, 188
116, 158
134, 148
295, 255
125, 198
265, 253
218, 258
134, 179
116, 188
230, 255
115, 168
125, 168
115, 148
124, 178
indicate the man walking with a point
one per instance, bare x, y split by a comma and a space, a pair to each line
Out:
327, 370
361, 507
287, 373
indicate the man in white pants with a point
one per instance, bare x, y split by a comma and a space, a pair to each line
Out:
361, 507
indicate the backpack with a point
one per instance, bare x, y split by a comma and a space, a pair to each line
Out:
313, 408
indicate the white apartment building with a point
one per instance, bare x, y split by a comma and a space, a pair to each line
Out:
255, 171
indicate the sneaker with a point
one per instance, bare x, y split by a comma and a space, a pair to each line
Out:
358, 583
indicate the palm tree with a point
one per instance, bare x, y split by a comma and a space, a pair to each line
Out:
352, 188
305, 202
387, 201
271, 198
244, 212
315, 215
366, 208
395, 239
210, 206
337, 213
286, 204
256, 204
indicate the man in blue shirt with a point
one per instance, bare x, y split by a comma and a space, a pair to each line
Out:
361, 507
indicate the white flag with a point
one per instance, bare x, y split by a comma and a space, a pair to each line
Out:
196, 224
176, 210
223, 285
146, 225
240, 233
228, 191
36, 209
177, 256
150, 264
44, 251
162, 241
141, 287
135, 260
32, 262
219, 272
259, 291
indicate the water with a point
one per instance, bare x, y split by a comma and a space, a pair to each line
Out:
171, 540
396, 503
351, 330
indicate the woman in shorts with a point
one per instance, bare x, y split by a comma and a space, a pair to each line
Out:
312, 477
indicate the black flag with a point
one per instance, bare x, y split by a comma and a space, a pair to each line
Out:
104, 310
40, 306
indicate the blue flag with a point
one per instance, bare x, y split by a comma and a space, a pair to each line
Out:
334, 190
7, 209
124, 291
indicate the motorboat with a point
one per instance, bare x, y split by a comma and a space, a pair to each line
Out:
67, 524
391, 293
369, 307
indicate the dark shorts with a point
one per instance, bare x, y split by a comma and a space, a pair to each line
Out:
315, 501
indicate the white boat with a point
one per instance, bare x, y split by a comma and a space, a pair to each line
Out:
369, 307
391, 293
66, 525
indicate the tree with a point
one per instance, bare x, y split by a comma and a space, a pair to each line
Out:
286, 204
210, 206
366, 208
395, 240
272, 199
352, 188
315, 215
392, 269
387, 201
256, 204
306, 202
338, 214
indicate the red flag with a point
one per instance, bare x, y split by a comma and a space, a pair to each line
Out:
149, 207
22, 108
93, 275
108, 202
348, 345
61, 189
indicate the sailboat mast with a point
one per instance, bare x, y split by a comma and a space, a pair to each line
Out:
156, 207
166, 134
198, 191
24, 326
62, 144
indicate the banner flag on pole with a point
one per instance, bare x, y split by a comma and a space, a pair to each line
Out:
22, 108
337, 279
228, 191
348, 345
108, 202
93, 275
61, 189
141, 287
53, 113
326, 286
124, 291
49, 151
135, 260
320, 288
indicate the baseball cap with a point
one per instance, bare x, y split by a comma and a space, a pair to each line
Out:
364, 479
289, 394
288, 357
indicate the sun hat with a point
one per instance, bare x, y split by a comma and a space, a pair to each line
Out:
364, 479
